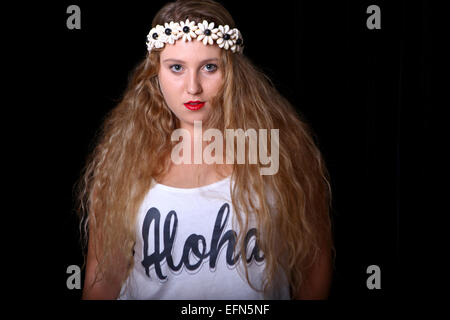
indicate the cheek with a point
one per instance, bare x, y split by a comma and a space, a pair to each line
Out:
169, 86
214, 84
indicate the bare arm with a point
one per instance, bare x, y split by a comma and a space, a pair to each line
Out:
317, 280
101, 290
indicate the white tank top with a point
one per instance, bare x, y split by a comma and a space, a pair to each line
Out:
184, 250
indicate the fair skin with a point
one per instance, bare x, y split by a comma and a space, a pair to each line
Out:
189, 71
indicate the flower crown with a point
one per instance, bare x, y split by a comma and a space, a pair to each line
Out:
223, 36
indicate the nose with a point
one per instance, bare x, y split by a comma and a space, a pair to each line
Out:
193, 83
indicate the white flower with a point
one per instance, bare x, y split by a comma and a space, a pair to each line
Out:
172, 32
187, 29
207, 33
226, 37
156, 38
238, 41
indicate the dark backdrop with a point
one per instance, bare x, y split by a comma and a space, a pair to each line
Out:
366, 94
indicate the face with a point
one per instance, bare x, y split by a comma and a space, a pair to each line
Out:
189, 77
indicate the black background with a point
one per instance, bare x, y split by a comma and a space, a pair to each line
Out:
366, 93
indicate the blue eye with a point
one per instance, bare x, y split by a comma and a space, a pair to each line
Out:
175, 68
210, 67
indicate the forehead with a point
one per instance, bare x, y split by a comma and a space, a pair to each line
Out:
190, 51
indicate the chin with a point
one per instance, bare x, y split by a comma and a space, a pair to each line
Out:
190, 122
197, 117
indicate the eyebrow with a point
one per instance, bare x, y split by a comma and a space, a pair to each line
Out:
181, 61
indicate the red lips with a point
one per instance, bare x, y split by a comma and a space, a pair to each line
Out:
194, 105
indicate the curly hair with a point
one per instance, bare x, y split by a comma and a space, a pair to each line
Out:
134, 145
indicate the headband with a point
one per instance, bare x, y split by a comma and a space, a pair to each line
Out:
223, 36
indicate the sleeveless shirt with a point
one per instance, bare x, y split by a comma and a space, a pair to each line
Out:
185, 248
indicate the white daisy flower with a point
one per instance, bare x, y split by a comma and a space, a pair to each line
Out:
156, 38
207, 33
226, 37
172, 32
223, 36
188, 29
238, 41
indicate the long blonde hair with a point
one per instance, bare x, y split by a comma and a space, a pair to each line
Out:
134, 147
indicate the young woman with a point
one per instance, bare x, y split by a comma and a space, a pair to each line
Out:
158, 228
